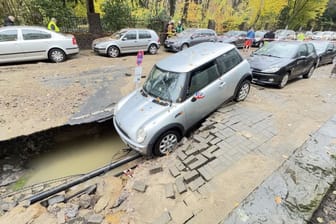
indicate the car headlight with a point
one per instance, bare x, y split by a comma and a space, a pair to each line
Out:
140, 135
271, 70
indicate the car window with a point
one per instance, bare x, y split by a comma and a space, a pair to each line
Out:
228, 61
131, 35
202, 77
144, 35
8, 35
311, 49
302, 51
29, 34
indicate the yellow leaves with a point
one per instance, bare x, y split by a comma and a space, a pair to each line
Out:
278, 200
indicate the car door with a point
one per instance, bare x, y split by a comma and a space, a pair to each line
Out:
129, 42
35, 43
301, 65
230, 73
144, 39
196, 38
9, 47
202, 93
329, 54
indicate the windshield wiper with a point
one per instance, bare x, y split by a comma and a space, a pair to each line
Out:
269, 55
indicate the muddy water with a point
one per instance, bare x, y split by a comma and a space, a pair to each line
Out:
74, 157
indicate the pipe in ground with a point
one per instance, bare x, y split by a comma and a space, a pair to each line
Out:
97, 172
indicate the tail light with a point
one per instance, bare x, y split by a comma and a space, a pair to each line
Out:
74, 41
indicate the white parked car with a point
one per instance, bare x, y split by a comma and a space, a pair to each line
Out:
29, 43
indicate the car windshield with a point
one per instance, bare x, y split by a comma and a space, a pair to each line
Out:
320, 46
164, 85
278, 49
259, 34
118, 34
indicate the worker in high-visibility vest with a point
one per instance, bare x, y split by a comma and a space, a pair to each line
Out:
52, 25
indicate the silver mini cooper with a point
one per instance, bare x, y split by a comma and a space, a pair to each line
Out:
180, 91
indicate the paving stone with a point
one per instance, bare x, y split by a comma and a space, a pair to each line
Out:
185, 146
180, 185
223, 145
209, 138
215, 141
201, 160
139, 186
169, 189
205, 189
56, 199
198, 138
220, 126
181, 213
179, 165
202, 146
208, 155
190, 176
95, 219
181, 155
174, 171
191, 151
206, 172
155, 169
195, 184
163, 219
204, 134
190, 159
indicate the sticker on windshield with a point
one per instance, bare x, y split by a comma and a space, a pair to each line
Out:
199, 95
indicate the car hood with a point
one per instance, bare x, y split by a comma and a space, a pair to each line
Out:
261, 62
176, 39
227, 39
137, 111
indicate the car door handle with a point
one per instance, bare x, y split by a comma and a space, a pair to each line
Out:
221, 84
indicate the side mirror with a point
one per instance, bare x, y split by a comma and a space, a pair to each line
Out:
193, 99
124, 38
192, 37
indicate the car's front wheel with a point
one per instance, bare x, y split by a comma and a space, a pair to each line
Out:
166, 143
310, 73
56, 55
243, 90
152, 49
284, 81
113, 52
184, 46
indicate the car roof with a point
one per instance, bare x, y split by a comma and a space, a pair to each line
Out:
139, 29
193, 57
22, 27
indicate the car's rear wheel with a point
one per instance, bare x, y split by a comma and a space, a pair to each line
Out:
284, 81
243, 90
310, 73
152, 49
56, 55
166, 143
113, 52
184, 46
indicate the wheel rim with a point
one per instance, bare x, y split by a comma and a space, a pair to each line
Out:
168, 143
244, 91
284, 81
113, 52
152, 49
184, 46
57, 56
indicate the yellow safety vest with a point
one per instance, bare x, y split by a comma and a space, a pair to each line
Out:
52, 24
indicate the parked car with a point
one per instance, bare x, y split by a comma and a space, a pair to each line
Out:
127, 41
326, 51
179, 92
29, 43
317, 35
259, 38
235, 37
280, 61
190, 37
283, 34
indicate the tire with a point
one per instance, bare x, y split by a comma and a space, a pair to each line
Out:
113, 52
166, 143
284, 81
152, 49
310, 73
56, 55
261, 44
318, 62
243, 90
184, 46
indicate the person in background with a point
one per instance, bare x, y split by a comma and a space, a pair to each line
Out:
52, 25
179, 27
9, 21
300, 36
249, 39
171, 29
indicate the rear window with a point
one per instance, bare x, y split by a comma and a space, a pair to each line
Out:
228, 61
144, 35
29, 34
8, 35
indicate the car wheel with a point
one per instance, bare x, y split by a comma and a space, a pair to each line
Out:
284, 81
261, 44
184, 46
166, 143
57, 55
310, 73
152, 49
113, 52
243, 90
318, 62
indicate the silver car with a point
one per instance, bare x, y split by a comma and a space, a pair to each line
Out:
127, 41
190, 37
181, 90
28, 43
